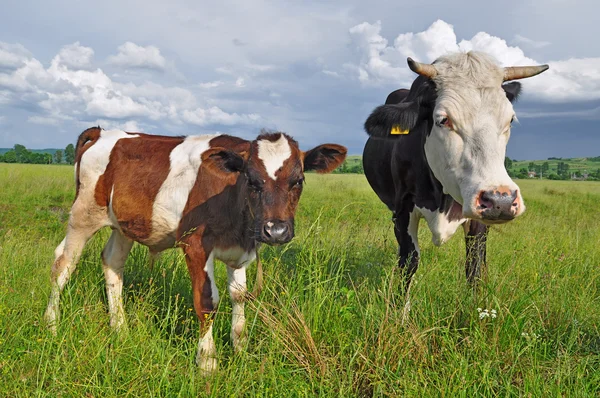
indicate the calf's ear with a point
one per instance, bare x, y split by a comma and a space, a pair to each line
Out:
324, 158
224, 160
392, 120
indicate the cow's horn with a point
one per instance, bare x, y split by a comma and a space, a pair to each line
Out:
521, 72
426, 70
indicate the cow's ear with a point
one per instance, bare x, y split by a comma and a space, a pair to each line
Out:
392, 121
512, 90
324, 158
224, 159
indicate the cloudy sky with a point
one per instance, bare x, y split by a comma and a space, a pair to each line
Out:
314, 69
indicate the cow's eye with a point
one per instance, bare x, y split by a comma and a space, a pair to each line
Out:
444, 121
298, 183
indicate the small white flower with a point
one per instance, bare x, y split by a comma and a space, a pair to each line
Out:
485, 313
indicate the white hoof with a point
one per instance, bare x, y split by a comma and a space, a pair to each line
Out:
208, 365
50, 317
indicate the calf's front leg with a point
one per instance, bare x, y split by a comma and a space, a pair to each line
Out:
206, 298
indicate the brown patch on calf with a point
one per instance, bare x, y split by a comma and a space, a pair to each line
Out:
217, 201
136, 170
195, 258
235, 144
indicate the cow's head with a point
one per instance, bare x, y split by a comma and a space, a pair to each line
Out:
272, 178
464, 112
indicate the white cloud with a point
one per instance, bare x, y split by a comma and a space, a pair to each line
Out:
69, 89
380, 63
44, 120
12, 56
240, 82
75, 56
593, 113
107, 124
527, 42
212, 84
133, 56
214, 115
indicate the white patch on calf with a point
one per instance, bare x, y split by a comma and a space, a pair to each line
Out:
173, 194
441, 228
209, 268
273, 154
95, 160
234, 257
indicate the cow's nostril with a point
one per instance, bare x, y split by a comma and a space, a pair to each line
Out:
485, 201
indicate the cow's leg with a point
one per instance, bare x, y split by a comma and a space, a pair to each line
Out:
66, 256
406, 228
475, 243
236, 284
206, 299
113, 261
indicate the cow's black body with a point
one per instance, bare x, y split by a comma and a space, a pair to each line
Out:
398, 172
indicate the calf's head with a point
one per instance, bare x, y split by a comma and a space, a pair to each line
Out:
272, 177
463, 112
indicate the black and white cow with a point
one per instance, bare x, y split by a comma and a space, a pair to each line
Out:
437, 152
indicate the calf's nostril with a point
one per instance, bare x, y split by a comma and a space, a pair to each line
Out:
267, 230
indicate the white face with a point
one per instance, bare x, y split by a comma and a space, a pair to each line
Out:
466, 151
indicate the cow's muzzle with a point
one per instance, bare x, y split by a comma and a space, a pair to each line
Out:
499, 205
276, 232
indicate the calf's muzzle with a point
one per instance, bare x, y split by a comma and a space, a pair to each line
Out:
276, 232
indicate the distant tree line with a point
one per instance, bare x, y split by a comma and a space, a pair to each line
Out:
345, 168
20, 154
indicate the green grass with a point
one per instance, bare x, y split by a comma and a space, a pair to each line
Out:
329, 320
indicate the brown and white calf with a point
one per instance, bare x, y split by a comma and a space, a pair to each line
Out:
215, 196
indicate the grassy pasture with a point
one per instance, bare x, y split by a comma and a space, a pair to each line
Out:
329, 320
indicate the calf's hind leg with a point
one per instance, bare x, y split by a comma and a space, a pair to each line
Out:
114, 256
66, 256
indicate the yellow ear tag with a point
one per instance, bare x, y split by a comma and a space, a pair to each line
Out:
397, 131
